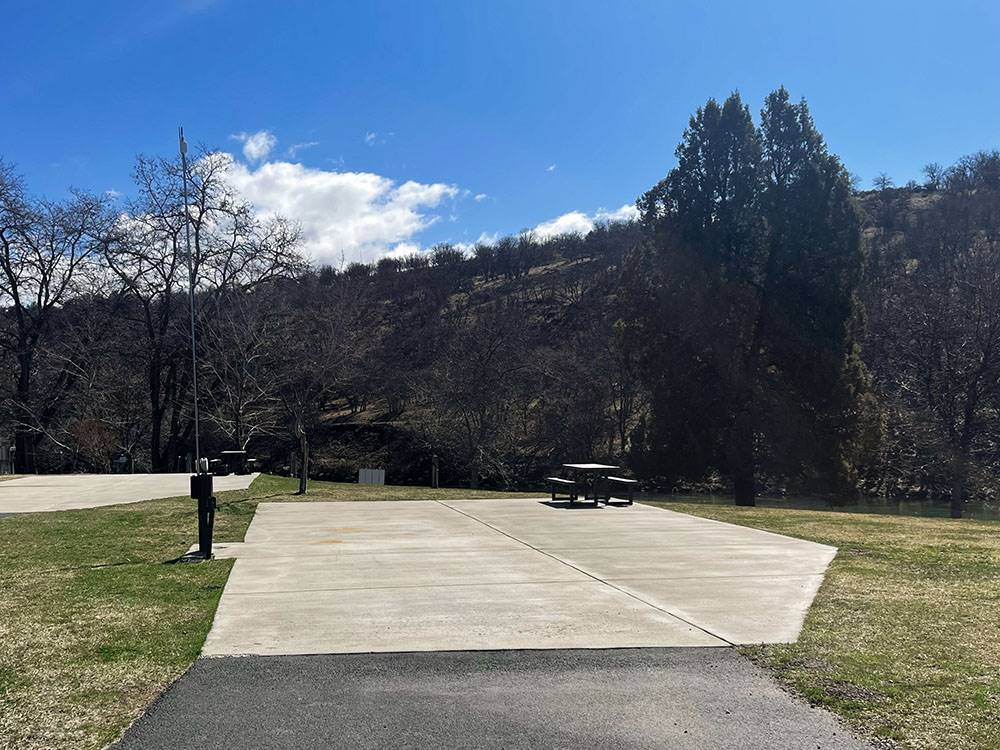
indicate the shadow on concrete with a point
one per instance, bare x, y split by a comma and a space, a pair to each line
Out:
567, 505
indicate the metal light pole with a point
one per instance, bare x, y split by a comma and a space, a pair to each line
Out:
191, 285
201, 481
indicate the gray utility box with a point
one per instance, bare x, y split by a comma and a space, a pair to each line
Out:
371, 476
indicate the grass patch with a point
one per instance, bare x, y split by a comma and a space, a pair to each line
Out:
903, 639
95, 619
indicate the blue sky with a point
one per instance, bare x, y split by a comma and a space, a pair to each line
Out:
542, 109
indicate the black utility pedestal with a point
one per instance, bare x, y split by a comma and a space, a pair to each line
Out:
201, 490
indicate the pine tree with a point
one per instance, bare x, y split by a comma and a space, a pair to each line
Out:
763, 241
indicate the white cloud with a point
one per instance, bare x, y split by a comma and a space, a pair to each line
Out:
113, 194
294, 149
574, 222
256, 146
480, 197
577, 222
628, 212
402, 250
550, 168
357, 216
484, 239
370, 138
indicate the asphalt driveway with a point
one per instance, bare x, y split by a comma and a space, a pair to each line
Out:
683, 699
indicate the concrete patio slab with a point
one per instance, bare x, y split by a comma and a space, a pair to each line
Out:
739, 609
505, 574
563, 614
413, 524
689, 561
333, 572
51, 492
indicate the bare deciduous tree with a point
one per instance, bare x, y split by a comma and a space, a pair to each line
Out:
473, 382
45, 254
939, 342
232, 248
240, 393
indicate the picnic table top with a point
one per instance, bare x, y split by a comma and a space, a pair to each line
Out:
589, 467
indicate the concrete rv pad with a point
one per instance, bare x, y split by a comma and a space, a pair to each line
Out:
357, 577
48, 492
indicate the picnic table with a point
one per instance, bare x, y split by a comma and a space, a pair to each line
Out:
595, 480
592, 478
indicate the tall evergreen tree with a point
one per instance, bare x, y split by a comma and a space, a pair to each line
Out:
809, 311
764, 225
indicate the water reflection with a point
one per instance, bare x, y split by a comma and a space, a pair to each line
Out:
883, 506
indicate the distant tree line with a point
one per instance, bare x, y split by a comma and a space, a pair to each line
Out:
763, 327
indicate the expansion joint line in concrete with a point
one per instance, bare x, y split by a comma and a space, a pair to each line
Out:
588, 574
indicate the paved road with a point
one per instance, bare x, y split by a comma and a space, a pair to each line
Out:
48, 492
683, 699
324, 578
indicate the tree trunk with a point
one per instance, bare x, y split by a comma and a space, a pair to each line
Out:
474, 471
744, 463
304, 467
24, 451
156, 416
744, 491
24, 437
959, 477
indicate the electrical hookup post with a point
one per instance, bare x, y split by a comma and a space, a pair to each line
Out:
201, 490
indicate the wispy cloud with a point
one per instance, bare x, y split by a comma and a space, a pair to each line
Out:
480, 197
294, 149
550, 168
379, 137
256, 146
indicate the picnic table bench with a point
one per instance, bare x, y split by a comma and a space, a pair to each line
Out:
561, 486
625, 484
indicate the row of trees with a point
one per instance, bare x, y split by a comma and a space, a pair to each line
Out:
762, 327
96, 313
932, 295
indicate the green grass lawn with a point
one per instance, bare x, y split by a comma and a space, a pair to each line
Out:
903, 639
96, 619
